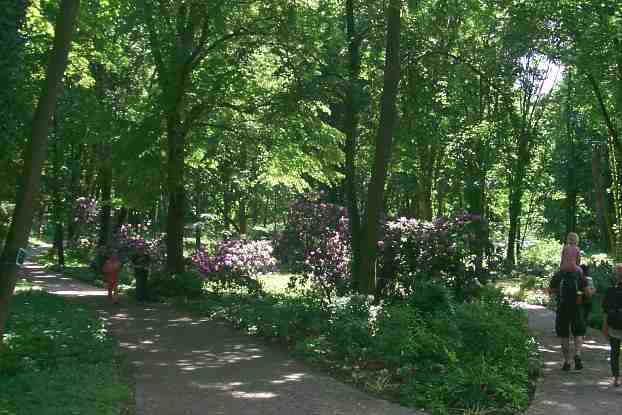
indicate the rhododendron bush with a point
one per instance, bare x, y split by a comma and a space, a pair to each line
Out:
236, 262
132, 238
86, 210
443, 251
315, 243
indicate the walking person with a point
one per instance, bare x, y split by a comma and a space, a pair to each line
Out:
612, 322
570, 289
140, 261
111, 269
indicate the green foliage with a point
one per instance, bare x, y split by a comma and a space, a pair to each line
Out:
186, 285
59, 359
601, 272
6, 211
428, 297
542, 257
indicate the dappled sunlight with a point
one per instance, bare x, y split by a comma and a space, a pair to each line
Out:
126, 345
122, 316
233, 389
209, 359
565, 406
78, 293
596, 347
294, 377
57, 283
254, 395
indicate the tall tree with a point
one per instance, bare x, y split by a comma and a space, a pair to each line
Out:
189, 43
34, 155
352, 109
382, 156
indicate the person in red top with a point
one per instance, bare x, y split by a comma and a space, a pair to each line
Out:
111, 269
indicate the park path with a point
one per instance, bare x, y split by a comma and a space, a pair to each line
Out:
187, 365
585, 392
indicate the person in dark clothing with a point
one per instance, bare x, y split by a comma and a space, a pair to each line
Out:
141, 262
569, 288
612, 322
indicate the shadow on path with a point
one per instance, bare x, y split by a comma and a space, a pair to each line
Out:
189, 365
585, 392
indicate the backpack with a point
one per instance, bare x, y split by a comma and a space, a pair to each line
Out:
568, 288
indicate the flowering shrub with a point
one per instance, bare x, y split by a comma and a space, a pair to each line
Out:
86, 210
443, 251
315, 243
236, 262
132, 238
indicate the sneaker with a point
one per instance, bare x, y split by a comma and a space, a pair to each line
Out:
566, 367
578, 365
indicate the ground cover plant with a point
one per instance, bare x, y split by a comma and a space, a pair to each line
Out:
59, 359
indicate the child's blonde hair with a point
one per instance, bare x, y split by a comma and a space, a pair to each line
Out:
572, 238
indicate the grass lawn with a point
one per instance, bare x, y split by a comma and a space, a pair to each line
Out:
59, 359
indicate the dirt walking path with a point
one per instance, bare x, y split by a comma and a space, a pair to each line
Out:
185, 365
585, 392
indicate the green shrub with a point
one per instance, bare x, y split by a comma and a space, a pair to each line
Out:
402, 336
602, 275
541, 258
186, 285
429, 297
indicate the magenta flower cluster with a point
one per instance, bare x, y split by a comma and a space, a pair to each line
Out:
236, 256
86, 210
316, 242
133, 238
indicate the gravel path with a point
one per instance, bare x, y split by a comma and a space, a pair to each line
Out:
585, 392
189, 365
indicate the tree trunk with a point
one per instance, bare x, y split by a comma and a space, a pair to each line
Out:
243, 217
197, 237
601, 202
121, 218
424, 197
512, 234
105, 220
475, 198
59, 244
615, 163
74, 181
176, 194
226, 202
34, 155
352, 108
384, 141
571, 186
516, 184
57, 189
